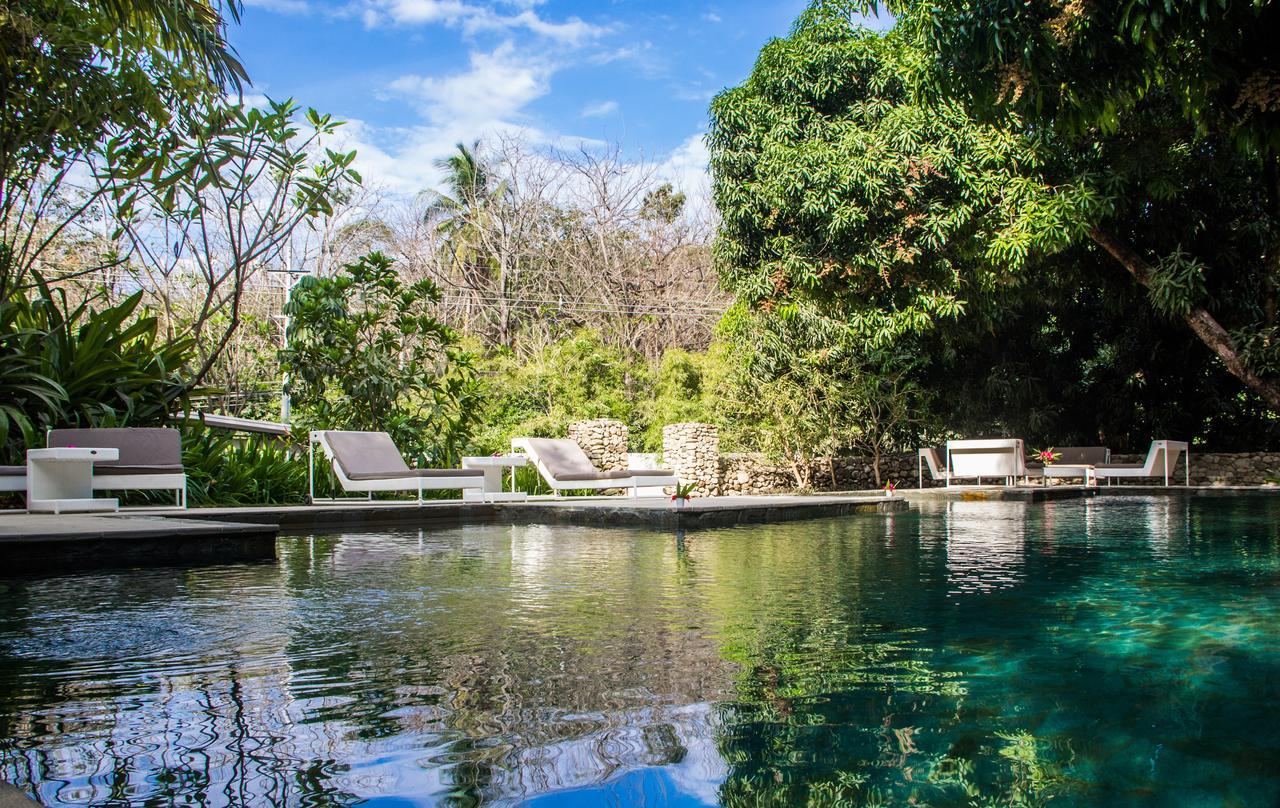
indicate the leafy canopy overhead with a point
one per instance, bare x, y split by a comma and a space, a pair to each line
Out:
1083, 64
835, 184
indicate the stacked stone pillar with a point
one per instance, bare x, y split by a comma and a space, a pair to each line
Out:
692, 451
604, 441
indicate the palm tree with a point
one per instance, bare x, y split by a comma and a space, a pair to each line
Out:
467, 217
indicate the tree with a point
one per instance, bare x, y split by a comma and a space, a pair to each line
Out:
1169, 113
234, 185
75, 73
847, 178
366, 353
836, 187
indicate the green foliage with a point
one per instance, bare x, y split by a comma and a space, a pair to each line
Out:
226, 470
836, 186
74, 74
576, 379
83, 364
1083, 66
366, 353
807, 391
690, 386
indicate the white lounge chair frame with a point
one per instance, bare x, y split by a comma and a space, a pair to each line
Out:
369, 487
924, 457
632, 483
1157, 462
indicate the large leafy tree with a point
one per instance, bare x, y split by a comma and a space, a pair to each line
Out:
835, 186
74, 72
1170, 112
845, 181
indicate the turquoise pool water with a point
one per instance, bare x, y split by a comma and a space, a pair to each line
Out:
1121, 651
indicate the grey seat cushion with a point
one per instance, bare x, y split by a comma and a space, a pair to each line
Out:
108, 469
138, 446
374, 456
1082, 455
584, 476
13, 471
651, 473
565, 460
1109, 466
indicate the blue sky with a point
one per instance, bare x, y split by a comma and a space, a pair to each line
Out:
415, 76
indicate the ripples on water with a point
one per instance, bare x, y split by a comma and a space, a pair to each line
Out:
1124, 651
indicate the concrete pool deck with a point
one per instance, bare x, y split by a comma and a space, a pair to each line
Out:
32, 542
67, 541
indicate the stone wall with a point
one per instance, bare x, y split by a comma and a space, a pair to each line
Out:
751, 474
604, 441
692, 451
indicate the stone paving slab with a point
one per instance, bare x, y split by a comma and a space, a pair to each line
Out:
45, 542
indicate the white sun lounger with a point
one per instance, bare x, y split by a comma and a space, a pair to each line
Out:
369, 461
1162, 458
565, 467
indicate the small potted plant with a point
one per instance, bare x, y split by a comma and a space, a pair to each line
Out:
1046, 456
683, 490
889, 488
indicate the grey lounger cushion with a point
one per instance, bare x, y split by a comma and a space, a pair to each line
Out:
159, 450
575, 476
651, 473
13, 471
565, 460
374, 456
108, 469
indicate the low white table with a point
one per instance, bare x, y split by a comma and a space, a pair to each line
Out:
61, 480
1071, 470
493, 467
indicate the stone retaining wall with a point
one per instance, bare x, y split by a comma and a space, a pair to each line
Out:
692, 451
604, 441
751, 474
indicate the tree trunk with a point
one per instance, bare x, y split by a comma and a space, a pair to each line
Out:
1208, 329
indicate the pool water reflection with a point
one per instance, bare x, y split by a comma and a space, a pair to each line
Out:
1121, 651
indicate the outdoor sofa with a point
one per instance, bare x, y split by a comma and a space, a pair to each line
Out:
150, 458
366, 462
565, 467
986, 458
1070, 459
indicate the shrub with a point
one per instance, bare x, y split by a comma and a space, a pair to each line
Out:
229, 471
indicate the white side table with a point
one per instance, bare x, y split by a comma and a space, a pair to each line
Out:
1072, 470
61, 480
493, 467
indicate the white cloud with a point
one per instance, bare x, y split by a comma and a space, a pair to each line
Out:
496, 87
474, 18
687, 168
601, 110
280, 6
711, 16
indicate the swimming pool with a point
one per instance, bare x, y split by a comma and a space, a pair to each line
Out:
1117, 651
